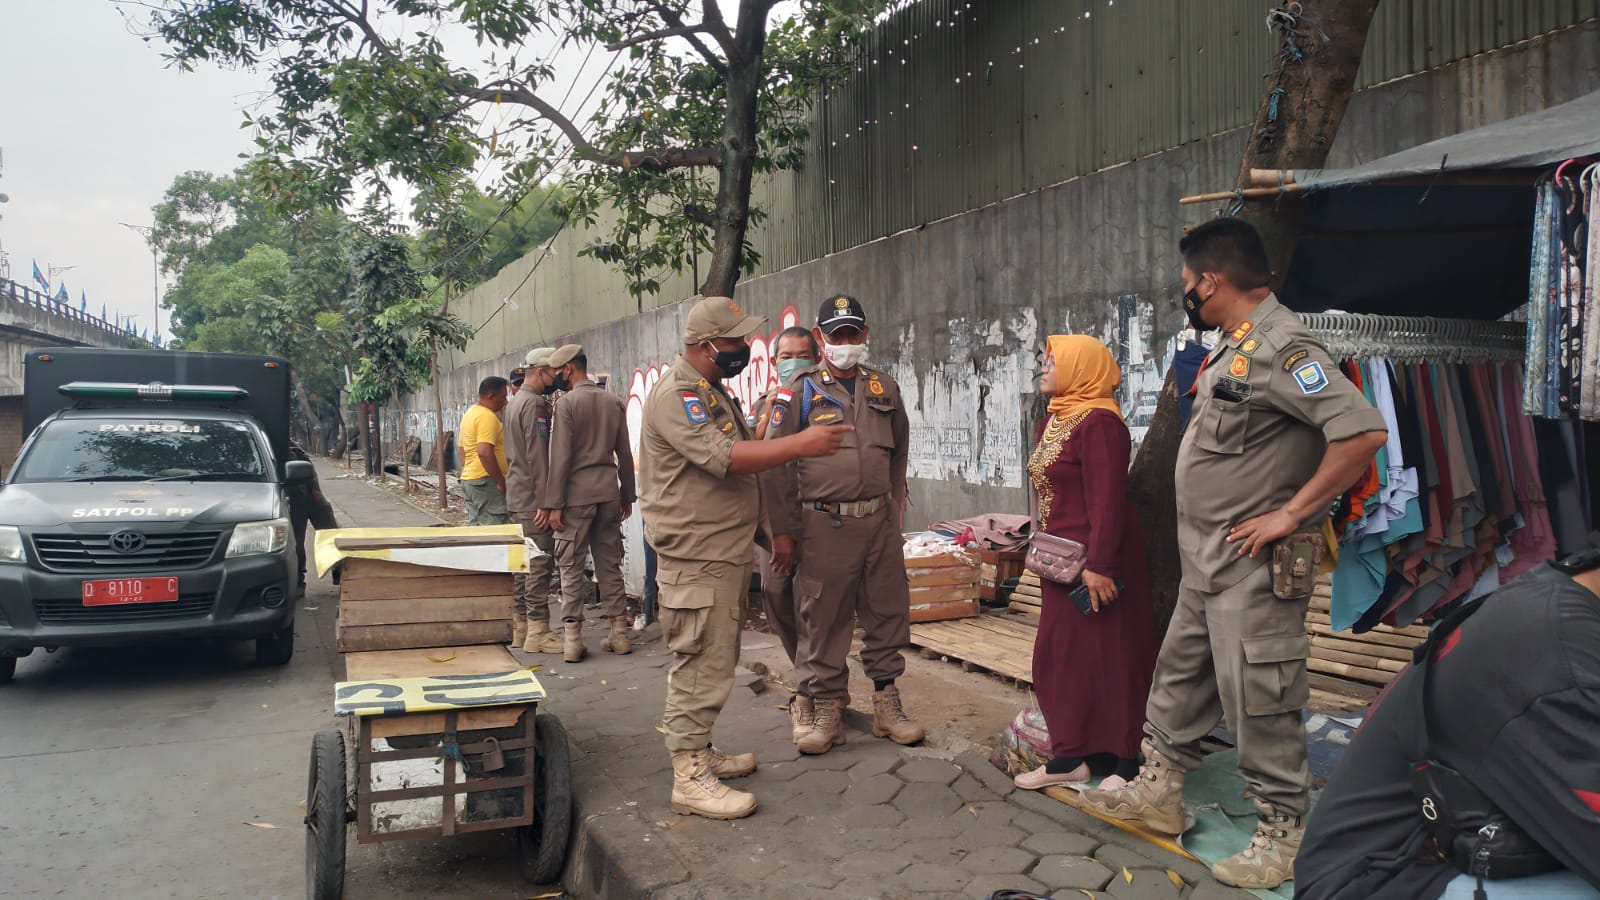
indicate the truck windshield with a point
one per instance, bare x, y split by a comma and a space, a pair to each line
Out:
120, 449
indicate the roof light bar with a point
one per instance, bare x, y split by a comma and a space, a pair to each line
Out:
155, 390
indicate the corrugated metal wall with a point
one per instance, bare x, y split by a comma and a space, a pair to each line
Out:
954, 104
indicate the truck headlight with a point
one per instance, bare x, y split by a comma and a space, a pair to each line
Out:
252, 538
11, 545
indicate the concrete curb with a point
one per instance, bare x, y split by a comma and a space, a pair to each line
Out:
613, 855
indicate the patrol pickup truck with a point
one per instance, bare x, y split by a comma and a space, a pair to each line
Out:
149, 503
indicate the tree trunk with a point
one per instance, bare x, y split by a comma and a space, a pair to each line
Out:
735, 174
1295, 128
313, 426
405, 446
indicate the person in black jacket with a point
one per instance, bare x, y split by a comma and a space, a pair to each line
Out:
1513, 705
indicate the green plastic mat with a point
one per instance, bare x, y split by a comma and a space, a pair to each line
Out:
1225, 818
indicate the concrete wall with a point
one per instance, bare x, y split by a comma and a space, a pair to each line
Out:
958, 307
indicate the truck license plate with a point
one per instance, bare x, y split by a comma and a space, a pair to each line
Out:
117, 591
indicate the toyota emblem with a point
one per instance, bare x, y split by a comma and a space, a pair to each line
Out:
127, 542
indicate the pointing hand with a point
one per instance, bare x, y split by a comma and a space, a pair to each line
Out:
823, 440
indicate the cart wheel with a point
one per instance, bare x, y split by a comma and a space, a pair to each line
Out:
275, 649
8, 668
543, 845
325, 817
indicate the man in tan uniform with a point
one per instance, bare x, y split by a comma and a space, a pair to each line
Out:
701, 508
1277, 433
837, 522
796, 351
527, 416
588, 493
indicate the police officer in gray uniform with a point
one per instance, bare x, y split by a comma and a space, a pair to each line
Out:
1276, 434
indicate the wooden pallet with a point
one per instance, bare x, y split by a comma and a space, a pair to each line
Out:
1002, 645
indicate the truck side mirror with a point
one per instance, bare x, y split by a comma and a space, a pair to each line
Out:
298, 471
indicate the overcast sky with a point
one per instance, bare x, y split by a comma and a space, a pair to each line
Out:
94, 126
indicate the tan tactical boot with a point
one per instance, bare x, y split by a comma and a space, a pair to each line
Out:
889, 718
541, 639
725, 766
519, 629
1268, 860
1154, 797
802, 712
827, 728
696, 790
617, 640
572, 648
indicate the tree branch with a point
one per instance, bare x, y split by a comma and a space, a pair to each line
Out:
658, 34
691, 33
712, 17
513, 92
663, 159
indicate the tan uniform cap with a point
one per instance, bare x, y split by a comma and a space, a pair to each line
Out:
715, 317
567, 353
539, 356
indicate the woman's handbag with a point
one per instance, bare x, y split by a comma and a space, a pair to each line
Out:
1055, 558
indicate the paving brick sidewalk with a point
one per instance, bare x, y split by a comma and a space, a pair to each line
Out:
869, 819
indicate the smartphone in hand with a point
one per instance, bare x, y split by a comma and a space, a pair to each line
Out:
1080, 598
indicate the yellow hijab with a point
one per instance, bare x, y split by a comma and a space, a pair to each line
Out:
1086, 374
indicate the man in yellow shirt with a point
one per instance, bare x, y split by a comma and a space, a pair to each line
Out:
483, 455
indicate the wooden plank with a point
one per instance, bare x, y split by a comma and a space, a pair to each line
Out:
922, 596
459, 584
1375, 651
1360, 673
423, 542
419, 609
1025, 608
433, 723
1355, 689
466, 659
1400, 642
1336, 702
936, 612
428, 634
357, 567
1356, 659
1420, 632
1028, 591
943, 575
942, 559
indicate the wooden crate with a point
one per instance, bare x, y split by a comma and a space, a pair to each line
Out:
943, 587
995, 568
386, 605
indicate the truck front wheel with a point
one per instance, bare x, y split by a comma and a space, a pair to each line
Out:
275, 649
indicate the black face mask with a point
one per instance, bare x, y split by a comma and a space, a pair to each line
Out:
1191, 308
731, 362
560, 383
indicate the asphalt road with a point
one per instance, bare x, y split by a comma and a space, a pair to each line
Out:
154, 771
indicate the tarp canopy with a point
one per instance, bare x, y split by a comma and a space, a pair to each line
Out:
1401, 236
1525, 142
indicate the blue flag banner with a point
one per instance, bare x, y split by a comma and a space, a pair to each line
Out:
83, 301
61, 295
103, 313
38, 276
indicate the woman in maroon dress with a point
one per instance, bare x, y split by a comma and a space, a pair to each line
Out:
1091, 673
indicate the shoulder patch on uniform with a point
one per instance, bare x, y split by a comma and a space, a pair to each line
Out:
1288, 364
1311, 378
1239, 366
1249, 347
695, 409
779, 411
727, 427
1244, 328
543, 425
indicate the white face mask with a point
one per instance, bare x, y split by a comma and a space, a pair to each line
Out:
845, 356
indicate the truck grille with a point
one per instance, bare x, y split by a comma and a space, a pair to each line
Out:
93, 552
73, 612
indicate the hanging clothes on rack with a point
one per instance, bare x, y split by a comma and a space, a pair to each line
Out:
1562, 371
1454, 504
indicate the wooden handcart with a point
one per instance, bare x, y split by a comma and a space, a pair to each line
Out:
437, 741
